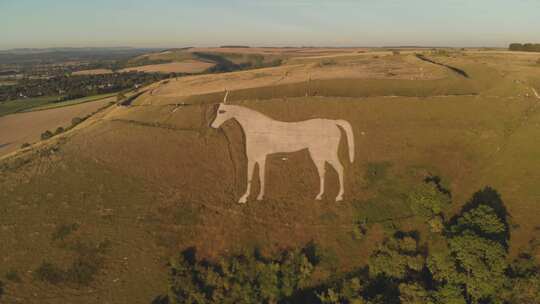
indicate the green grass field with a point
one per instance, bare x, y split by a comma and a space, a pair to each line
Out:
19, 105
71, 102
44, 103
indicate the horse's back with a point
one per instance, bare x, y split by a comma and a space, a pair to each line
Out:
318, 135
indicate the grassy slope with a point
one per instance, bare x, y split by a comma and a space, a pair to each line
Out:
154, 181
184, 55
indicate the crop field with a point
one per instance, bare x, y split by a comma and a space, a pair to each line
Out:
116, 198
14, 106
187, 66
73, 102
93, 72
20, 128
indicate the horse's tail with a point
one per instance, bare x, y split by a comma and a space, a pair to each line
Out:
350, 136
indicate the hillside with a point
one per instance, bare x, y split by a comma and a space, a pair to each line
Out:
131, 187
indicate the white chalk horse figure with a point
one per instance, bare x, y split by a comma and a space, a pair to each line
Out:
265, 136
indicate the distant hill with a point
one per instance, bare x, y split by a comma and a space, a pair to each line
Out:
52, 55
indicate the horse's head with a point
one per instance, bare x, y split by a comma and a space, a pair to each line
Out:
224, 113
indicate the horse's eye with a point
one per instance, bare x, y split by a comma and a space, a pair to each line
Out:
221, 111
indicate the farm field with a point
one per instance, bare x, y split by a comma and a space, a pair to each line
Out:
133, 186
20, 128
93, 72
73, 102
187, 66
14, 106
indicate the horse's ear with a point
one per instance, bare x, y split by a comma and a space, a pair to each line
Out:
226, 96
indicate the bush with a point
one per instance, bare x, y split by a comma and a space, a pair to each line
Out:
427, 201
13, 276
75, 121
327, 62
83, 269
46, 135
49, 273
25, 145
59, 130
63, 231
120, 97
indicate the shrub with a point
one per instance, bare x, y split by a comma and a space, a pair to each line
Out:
327, 62
436, 224
25, 145
13, 276
427, 201
90, 259
46, 135
59, 130
75, 121
120, 97
63, 231
49, 273
83, 269
376, 172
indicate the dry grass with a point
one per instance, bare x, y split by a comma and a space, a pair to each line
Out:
188, 66
355, 67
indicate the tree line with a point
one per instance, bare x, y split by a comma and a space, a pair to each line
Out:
526, 47
463, 260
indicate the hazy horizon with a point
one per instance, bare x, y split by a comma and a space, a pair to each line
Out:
340, 23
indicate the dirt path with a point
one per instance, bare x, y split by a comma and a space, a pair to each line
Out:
535, 93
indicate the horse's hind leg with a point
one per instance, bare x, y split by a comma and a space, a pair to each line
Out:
250, 167
262, 165
339, 168
320, 164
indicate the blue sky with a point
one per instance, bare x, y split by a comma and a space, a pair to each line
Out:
176, 23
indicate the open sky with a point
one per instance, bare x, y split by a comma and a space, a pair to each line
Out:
176, 23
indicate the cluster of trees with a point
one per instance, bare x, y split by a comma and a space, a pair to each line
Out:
247, 278
71, 87
466, 261
527, 47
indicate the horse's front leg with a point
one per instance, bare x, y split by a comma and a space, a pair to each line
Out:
262, 166
250, 167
